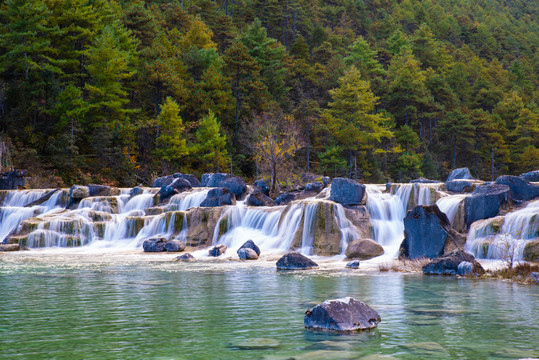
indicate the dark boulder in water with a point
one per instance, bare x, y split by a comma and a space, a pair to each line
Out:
217, 250
521, 189
257, 198
185, 257
347, 191
219, 197
263, 186
250, 244
485, 202
163, 181
425, 232
459, 186
213, 180
236, 186
102, 190
175, 246
137, 190
343, 315
189, 177
175, 187
247, 254
363, 249
285, 198
353, 264
314, 187
532, 176
154, 245
295, 261
461, 173
456, 262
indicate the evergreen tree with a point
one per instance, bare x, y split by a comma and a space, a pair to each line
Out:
211, 144
171, 142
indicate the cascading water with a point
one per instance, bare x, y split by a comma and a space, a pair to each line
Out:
450, 205
495, 238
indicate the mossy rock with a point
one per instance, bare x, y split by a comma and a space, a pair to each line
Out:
99, 216
155, 210
177, 218
531, 251
223, 225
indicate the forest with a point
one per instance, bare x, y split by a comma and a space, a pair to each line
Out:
119, 92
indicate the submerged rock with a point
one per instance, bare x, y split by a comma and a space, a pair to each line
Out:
219, 197
353, 264
295, 261
236, 186
521, 189
363, 249
250, 244
154, 245
247, 254
531, 251
425, 232
485, 202
257, 198
344, 315
217, 250
450, 264
460, 173
347, 191
9, 247
175, 246
185, 257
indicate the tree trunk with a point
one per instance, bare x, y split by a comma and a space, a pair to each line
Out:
273, 176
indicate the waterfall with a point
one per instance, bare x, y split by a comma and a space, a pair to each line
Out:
450, 205
491, 238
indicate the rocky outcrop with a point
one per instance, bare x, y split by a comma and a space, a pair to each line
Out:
285, 198
137, 190
531, 251
236, 186
185, 257
219, 197
175, 246
102, 190
217, 250
531, 176
250, 244
347, 191
9, 247
363, 249
189, 177
247, 254
343, 315
202, 223
257, 198
154, 245
450, 264
263, 186
459, 186
521, 190
425, 232
485, 202
177, 186
213, 180
76, 194
295, 261
12, 180
314, 187
461, 173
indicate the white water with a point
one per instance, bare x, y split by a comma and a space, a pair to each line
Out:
518, 228
450, 205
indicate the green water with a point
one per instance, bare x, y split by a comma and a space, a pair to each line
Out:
158, 310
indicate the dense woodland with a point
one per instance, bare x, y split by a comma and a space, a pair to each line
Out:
378, 90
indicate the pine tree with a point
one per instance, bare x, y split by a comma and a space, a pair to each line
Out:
457, 129
170, 143
363, 58
211, 144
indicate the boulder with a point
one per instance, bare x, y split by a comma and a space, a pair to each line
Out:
257, 198
236, 186
285, 198
9, 247
531, 251
423, 180
531, 176
326, 180
521, 189
465, 268
219, 197
449, 264
154, 245
185, 257
314, 187
12, 180
459, 186
175, 246
155, 210
189, 177
263, 186
177, 186
247, 254
217, 250
425, 232
250, 244
163, 181
343, 315
212, 180
353, 264
78, 192
102, 190
347, 191
363, 249
295, 261
136, 191
461, 173
485, 202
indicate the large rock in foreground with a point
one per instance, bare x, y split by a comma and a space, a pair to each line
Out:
295, 261
10, 247
531, 251
344, 315
521, 189
363, 249
485, 202
456, 262
460, 173
425, 232
154, 245
250, 244
347, 191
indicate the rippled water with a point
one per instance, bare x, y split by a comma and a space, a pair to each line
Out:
137, 307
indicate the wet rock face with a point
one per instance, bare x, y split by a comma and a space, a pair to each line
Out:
347, 191
456, 262
217, 250
213, 180
461, 173
425, 232
363, 249
137, 190
531, 176
531, 251
236, 186
175, 187
247, 254
485, 202
175, 246
219, 197
295, 261
521, 190
343, 315
154, 245
257, 198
